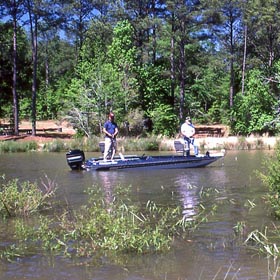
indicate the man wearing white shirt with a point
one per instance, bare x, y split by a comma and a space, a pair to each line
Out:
188, 131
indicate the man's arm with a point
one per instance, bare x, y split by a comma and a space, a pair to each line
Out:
106, 132
116, 132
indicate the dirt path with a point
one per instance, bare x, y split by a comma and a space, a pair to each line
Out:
46, 131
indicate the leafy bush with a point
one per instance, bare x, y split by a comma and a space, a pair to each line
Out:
165, 121
253, 111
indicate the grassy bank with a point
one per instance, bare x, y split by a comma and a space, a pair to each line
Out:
153, 143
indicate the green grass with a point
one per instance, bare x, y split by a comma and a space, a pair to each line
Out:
15, 147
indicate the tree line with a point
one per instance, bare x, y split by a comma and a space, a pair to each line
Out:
159, 60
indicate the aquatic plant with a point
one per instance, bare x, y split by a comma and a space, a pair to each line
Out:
261, 242
271, 179
109, 223
24, 198
239, 228
250, 204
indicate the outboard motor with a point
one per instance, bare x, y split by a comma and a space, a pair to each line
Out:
75, 159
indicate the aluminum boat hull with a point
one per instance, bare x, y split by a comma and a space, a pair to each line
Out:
76, 161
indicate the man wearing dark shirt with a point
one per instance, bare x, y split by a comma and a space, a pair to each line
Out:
111, 130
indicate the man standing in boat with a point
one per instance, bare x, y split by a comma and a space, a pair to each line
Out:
111, 131
188, 131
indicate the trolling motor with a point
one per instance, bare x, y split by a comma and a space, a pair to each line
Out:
75, 159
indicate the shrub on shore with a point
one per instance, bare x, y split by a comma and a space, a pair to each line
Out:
85, 144
16, 147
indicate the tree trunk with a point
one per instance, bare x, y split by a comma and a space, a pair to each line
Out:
34, 77
33, 31
47, 70
172, 62
244, 59
14, 89
182, 70
270, 46
231, 89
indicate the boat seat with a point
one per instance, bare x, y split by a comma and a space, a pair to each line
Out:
102, 146
180, 146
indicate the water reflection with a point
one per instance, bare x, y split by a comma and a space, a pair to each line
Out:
189, 184
108, 182
159, 185
189, 200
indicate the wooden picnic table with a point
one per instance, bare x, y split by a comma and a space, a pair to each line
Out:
6, 129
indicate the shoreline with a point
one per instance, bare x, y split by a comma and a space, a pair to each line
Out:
234, 142
204, 143
52, 130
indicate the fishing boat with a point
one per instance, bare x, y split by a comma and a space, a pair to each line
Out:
76, 161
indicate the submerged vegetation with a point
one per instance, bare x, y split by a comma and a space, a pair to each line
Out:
109, 223
271, 179
265, 241
26, 198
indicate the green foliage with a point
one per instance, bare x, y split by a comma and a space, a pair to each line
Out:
88, 95
253, 110
24, 198
55, 146
135, 118
6, 67
210, 91
16, 147
154, 85
271, 179
165, 122
109, 223
140, 144
112, 224
122, 57
125, 228
261, 241
239, 228
122, 53
143, 61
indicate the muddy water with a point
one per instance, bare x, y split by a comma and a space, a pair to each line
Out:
211, 252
